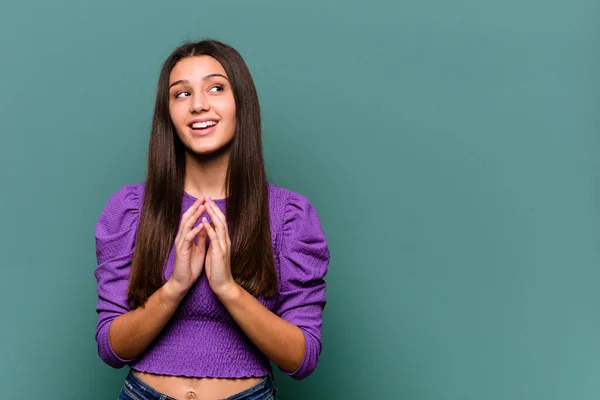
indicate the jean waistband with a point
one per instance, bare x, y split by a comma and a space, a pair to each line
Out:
138, 386
259, 391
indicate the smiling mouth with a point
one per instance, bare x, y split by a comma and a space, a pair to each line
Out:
204, 125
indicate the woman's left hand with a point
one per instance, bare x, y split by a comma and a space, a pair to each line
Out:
218, 258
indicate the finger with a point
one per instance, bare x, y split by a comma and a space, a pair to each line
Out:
217, 210
214, 238
186, 216
193, 208
193, 233
192, 217
221, 215
201, 238
184, 229
220, 225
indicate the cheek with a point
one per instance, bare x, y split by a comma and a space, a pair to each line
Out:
227, 109
178, 120
232, 121
176, 112
231, 115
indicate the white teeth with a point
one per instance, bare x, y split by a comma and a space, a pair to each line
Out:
202, 125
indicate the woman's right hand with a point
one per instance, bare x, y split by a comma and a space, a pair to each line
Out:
189, 254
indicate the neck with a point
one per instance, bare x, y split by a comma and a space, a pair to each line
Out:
205, 174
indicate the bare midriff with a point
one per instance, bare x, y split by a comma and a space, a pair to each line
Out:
185, 388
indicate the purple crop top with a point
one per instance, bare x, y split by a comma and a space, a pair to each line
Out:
201, 339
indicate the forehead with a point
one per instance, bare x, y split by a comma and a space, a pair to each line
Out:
195, 68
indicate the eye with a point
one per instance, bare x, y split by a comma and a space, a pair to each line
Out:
181, 94
216, 88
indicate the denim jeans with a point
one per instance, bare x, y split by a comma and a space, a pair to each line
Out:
136, 389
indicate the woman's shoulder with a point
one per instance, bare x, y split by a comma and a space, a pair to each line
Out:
283, 195
291, 207
123, 204
127, 196
118, 220
276, 191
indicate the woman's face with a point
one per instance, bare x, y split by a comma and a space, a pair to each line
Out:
201, 104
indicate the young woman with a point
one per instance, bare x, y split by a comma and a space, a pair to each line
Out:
207, 272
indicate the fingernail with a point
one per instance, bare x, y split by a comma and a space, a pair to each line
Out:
209, 198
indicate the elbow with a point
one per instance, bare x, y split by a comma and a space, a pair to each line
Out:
301, 373
105, 350
111, 360
312, 350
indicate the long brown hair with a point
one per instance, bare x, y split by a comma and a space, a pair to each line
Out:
247, 204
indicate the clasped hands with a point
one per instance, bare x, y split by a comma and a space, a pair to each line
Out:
191, 254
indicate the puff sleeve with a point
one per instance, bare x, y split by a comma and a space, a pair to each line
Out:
304, 259
115, 237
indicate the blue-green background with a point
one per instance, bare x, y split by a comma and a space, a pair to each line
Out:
450, 147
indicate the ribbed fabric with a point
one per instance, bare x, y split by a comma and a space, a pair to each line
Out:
201, 339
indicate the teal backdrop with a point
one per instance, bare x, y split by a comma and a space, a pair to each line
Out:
450, 148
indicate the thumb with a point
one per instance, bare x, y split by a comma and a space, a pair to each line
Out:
201, 239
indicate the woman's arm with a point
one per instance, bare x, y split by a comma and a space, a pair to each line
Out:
279, 340
291, 336
131, 333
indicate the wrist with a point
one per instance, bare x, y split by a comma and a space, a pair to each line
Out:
173, 292
229, 293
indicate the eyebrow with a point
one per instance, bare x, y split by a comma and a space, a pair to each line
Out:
207, 77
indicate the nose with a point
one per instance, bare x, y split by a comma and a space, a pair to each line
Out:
199, 102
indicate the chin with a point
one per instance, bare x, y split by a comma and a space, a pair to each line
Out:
207, 151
